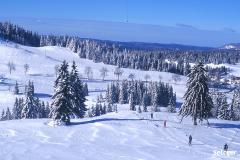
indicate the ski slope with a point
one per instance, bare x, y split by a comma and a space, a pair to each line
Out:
121, 136
124, 135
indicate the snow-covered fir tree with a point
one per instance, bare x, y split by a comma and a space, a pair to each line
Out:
145, 101
172, 105
223, 111
123, 95
132, 102
61, 105
155, 101
2, 118
235, 106
16, 88
197, 101
78, 95
85, 89
30, 107
8, 114
17, 109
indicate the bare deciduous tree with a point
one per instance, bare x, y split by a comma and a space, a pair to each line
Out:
26, 68
118, 72
89, 73
11, 67
103, 72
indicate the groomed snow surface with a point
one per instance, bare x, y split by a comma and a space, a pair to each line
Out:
124, 135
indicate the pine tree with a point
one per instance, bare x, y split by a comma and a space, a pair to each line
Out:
198, 103
97, 110
16, 88
17, 109
104, 111
123, 93
223, 112
145, 101
132, 102
8, 114
112, 94
47, 111
61, 105
217, 102
139, 109
109, 108
29, 107
172, 104
235, 106
3, 116
78, 95
155, 99
42, 110
85, 89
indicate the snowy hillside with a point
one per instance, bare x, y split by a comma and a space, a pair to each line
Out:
42, 61
125, 135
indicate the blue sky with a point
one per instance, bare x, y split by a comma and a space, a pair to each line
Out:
214, 15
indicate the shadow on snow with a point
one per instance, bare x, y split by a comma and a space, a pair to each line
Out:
224, 125
110, 119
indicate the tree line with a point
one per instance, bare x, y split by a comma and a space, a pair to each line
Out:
153, 94
224, 110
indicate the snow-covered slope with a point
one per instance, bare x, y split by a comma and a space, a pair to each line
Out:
42, 61
120, 136
124, 135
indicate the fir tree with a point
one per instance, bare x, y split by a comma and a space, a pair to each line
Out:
29, 107
61, 105
8, 114
109, 108
145, 101
198, 102
85, 89
16, 88
172, 104
3, 116
235, 106
78, 95
17, 109
139, 109
47, 110
132, 102
123, 93
223, 112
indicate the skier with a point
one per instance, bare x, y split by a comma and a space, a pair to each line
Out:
190, 140
165, 123
225, 148
151, 115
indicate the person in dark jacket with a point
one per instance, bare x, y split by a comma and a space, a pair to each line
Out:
151, 115
225, 147
190, 140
